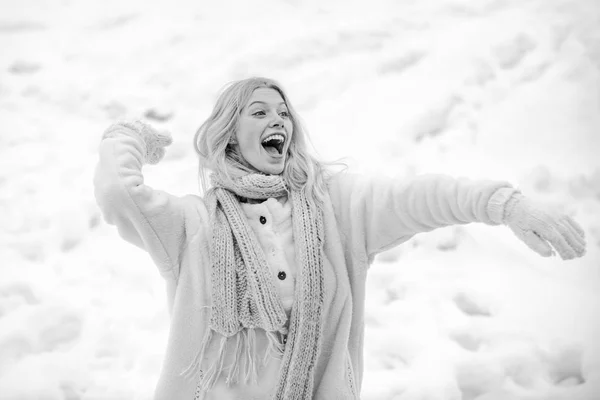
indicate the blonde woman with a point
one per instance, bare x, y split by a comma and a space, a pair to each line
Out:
266, 272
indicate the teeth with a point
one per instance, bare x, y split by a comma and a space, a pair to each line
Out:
274, 137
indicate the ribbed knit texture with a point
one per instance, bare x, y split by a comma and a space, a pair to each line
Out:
497, 204
244, 296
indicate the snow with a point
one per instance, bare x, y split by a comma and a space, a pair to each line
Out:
506, 90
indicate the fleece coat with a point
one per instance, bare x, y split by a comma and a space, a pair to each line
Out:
362, 216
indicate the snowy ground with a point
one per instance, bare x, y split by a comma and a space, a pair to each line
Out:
498, 89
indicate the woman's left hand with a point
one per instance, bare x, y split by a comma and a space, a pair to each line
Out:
539, 228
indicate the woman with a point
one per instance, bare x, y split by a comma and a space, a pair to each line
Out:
266, 273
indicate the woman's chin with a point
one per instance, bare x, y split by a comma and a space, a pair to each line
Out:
272, 171
271, 168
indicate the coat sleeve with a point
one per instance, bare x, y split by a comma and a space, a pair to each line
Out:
375, 214
150, 219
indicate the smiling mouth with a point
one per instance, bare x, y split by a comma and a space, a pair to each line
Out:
274, 143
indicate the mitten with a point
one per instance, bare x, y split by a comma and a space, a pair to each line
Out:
154, 142
539, 228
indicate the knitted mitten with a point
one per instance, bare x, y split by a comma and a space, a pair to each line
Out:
154, 142
537, 226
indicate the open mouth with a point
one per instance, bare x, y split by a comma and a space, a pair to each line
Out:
274, 143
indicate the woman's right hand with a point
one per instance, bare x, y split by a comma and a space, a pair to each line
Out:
154, 141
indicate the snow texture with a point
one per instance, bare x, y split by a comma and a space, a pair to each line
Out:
494, 89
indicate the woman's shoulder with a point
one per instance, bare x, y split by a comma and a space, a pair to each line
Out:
342, 180
195, 207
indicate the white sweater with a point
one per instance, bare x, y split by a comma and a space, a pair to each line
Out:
362, 217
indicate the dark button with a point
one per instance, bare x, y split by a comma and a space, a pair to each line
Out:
284, 339
263, 220
281, 275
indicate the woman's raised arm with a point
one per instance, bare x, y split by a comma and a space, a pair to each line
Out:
150, 219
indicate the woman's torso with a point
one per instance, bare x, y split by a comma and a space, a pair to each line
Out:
271, 222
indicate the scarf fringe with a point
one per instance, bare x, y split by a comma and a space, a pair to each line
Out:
244, 362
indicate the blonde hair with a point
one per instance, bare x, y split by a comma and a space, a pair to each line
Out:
212, 142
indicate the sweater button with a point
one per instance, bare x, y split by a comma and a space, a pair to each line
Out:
284, 339
263, 220
281, 275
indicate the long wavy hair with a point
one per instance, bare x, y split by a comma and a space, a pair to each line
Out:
212, 141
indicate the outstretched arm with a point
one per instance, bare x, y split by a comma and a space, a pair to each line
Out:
151, 219
376, 214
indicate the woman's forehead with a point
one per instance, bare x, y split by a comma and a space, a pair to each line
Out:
267, 96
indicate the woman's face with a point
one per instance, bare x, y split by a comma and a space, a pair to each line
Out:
265, 131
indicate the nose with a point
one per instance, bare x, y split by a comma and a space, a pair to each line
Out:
277, 121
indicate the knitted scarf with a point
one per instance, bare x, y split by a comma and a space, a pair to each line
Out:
244, 295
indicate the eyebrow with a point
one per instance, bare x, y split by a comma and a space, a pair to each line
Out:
262, 102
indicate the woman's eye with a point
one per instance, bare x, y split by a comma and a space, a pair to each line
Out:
284, 114
259, 112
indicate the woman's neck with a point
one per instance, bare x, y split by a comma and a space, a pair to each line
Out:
250, 201
281, 200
